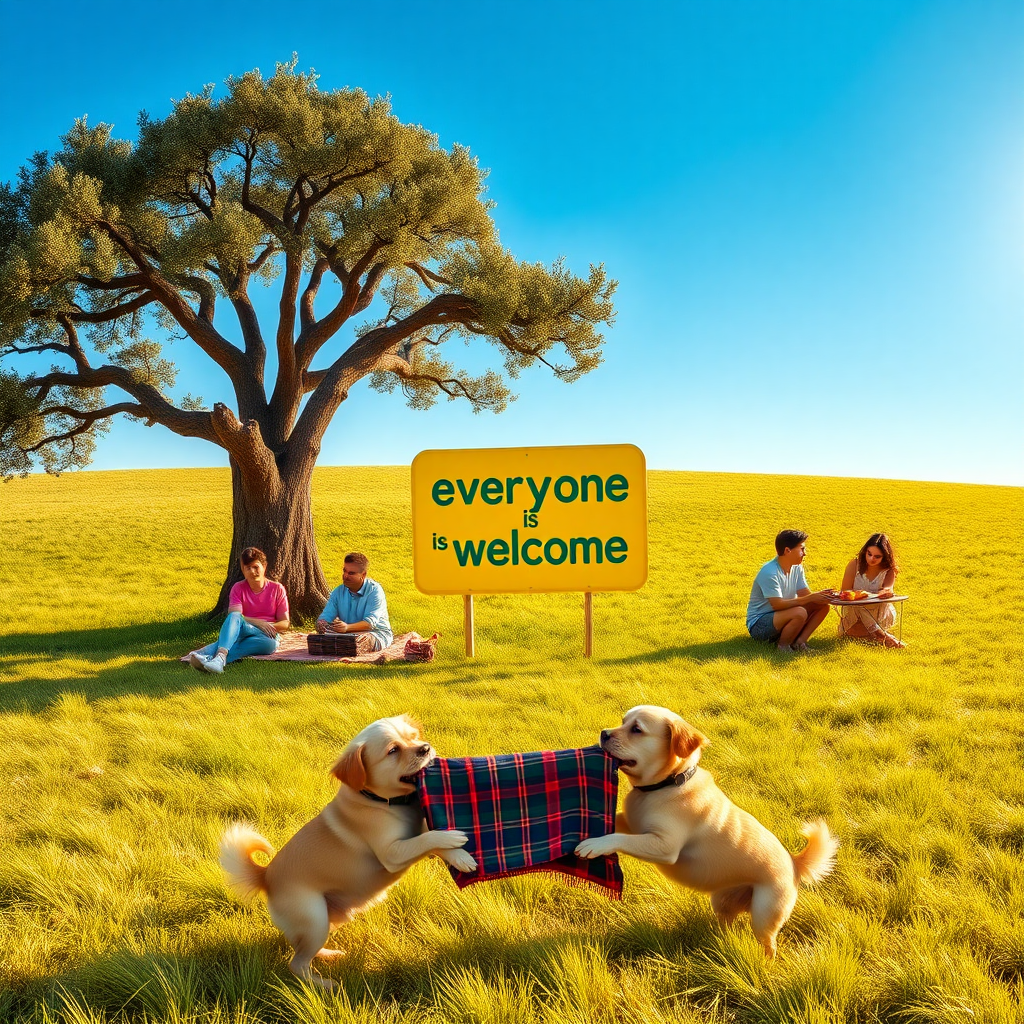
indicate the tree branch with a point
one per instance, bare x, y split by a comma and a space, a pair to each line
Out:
428, 277
321, 331
131, 408
362, 358
201, 331
244, 442
307, 317
335, 180
262, 258
252, 333
370, 286
449, 385
275, 224
53, 346
104, 316
74, 345
152, 403
87, 420
312, 379
207, 296
136, 282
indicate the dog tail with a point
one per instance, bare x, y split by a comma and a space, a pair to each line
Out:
818, 857
246, 878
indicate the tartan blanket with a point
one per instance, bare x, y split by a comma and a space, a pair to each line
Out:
527, 812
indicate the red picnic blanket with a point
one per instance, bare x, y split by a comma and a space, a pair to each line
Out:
527, 812
407, 647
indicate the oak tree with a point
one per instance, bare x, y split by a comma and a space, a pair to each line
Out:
379, 245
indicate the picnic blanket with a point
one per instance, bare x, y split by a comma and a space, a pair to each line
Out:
527, 812
407, 647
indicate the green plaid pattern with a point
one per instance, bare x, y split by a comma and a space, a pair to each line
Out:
527, 812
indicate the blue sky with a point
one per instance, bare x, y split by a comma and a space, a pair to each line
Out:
815, 211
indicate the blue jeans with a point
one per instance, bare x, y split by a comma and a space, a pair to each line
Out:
763, 628
241, 639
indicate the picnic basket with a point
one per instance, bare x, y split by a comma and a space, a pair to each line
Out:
336, 645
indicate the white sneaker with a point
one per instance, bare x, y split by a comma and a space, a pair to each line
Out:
214, 664
197, 661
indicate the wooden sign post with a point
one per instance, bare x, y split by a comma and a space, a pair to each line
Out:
588, 624
467, 624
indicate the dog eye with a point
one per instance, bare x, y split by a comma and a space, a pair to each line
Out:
636, 728
393, 750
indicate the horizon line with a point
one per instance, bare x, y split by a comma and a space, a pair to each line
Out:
650, 469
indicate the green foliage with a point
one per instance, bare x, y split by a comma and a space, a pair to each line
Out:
30, 428
142, 360
121, 766
20, 426
274, 179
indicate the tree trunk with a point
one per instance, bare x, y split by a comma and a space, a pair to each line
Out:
281, 527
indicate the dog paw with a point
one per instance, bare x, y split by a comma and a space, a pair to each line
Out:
590, 848
451, 839
461, 860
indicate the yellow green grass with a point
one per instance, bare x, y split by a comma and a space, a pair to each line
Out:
121, 767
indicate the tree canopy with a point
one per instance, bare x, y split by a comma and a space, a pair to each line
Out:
109, 246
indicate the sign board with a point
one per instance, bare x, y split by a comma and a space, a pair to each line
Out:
521, 520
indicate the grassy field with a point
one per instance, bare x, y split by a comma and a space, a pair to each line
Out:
121, 767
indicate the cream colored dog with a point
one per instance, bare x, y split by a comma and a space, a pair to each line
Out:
350, 854
678, 819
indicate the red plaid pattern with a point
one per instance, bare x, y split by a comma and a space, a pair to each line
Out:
527, 812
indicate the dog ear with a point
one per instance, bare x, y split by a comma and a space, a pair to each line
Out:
350, 768
685, 739
412, 723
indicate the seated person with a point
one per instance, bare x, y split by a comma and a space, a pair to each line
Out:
357, 606
257, 609
874, 570
782, 608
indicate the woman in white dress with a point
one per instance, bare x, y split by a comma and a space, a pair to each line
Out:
874, 570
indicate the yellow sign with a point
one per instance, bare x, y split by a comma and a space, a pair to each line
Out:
515, 520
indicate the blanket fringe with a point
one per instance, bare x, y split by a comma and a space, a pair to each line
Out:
566, 875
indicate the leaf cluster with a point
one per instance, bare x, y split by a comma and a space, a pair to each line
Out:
34, 428
277, 179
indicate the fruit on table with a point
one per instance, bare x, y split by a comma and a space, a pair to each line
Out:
853, 595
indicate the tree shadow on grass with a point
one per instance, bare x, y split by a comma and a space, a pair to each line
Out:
152, 638
154, 669
738, 648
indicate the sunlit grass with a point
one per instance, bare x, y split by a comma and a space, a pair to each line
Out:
120, 766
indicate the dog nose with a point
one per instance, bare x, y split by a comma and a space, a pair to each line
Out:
605, 733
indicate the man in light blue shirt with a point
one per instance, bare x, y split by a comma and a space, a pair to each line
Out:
782, 608
358, 606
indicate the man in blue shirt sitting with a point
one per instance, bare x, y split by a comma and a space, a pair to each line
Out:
782, 608
358, 606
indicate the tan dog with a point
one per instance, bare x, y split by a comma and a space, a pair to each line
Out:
350, 854
678, 819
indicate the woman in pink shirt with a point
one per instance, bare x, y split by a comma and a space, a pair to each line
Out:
257, 610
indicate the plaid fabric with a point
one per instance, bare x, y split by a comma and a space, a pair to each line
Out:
293, 648
527, 812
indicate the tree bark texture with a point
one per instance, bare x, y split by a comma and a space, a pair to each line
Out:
281, 525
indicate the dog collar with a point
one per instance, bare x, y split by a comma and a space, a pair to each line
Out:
673, 780
395, 801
